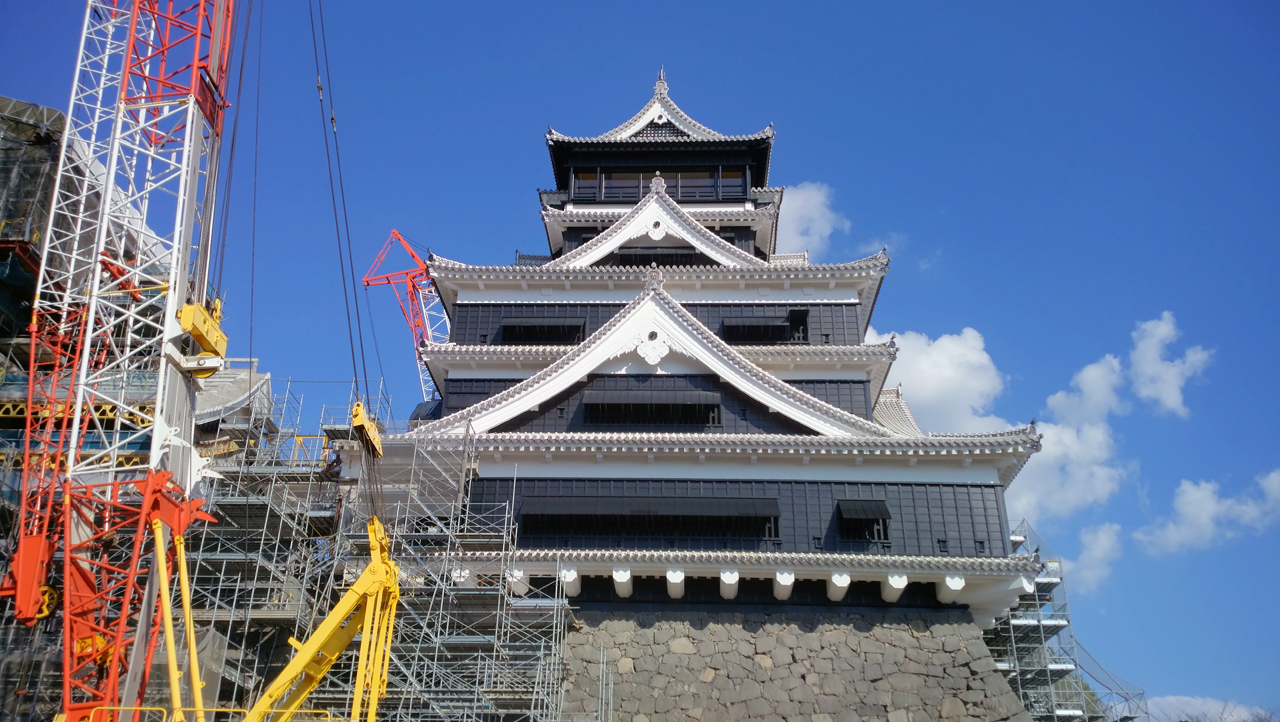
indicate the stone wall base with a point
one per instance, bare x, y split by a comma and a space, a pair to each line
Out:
826, 667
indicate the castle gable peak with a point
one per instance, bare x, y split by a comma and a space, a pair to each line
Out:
660, 120
658, 220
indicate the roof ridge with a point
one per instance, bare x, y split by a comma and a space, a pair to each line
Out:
879, 259
660, 109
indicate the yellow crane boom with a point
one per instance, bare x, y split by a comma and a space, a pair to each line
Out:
368, 609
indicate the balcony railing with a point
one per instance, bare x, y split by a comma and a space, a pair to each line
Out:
684, 186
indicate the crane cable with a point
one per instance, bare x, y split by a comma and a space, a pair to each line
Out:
253, 224
342, 195
333, 196
337, 195
225, 209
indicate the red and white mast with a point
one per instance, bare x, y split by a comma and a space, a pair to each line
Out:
121, 314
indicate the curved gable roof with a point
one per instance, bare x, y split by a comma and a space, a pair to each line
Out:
658, 215
653, 325
660, 120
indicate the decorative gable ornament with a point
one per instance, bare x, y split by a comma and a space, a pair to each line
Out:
658, 216
653, 348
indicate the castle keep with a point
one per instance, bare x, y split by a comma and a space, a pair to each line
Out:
697, 445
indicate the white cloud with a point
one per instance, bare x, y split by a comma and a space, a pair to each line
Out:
1075, 467
1200, 709
1202, 517
950, 382
1096, 394
806, 219
1156, 379
1099, 547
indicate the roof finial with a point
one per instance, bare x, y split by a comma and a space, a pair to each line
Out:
660, 87
658, 184
653, 278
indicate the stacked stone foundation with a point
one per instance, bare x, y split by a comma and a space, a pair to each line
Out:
829, 667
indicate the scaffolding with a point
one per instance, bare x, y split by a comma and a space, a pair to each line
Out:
1034, 647
30, 138
474, 639
264, 569
259, 574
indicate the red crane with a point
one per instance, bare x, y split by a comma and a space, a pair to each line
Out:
419, 302
120, 322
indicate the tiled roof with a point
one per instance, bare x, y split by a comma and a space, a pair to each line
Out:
865, 352
892, 411
1019, 443
596, 214
445, 267
977, 566
1020, 440
666, 210
659, 121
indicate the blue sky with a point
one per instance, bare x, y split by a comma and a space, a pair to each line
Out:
1050, 176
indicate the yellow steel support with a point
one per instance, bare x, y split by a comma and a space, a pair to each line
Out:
197, 683
166, 612
368, 608
367, 429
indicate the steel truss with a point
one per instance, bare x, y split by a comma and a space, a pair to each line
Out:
127, 247
473, 639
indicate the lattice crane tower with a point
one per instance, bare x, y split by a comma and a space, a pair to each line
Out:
123, 322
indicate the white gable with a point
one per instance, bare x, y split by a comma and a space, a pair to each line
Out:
657, 219
661, 111
650, 329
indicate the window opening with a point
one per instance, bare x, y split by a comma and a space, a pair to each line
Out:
982, 546
621, 186
943, 547
573, 241
863, 525
652, 414
586, 185
661, 255
733, 183
542, 331
687, 185
768, 330
697, 186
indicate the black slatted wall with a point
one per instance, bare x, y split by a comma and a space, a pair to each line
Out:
481, 323
748, 416
922, 514
739, 415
